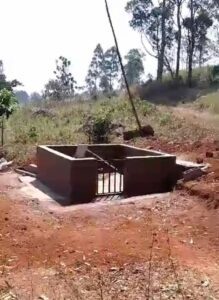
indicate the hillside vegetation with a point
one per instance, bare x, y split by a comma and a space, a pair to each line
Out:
65, 123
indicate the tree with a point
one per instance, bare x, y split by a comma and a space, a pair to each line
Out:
134, 67
64, 85
9, 85
196, 24
95, 71
35, 96
64, 77
178, 34
204, 22
110, 69
22, 96
155, 22
103, 71
53, 90
8, 104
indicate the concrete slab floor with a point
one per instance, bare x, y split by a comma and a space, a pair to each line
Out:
35, 191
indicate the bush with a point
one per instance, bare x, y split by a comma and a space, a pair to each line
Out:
98, 127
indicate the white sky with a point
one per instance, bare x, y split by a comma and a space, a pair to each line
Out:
36, 32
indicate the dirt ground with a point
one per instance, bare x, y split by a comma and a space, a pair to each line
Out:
155, 247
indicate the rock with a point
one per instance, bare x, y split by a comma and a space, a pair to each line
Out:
209, 154
197, 144
24, 228
147, 131
32, 168
115, 126
114, 269
43, 113
199, 160
4, 164
192, 174
205, 283
119, 131
216, 143
129, 135
43, 297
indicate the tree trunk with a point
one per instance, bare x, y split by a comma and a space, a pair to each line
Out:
179, 37
191, 44
161, 54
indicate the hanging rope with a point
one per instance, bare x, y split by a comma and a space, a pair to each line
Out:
122, 68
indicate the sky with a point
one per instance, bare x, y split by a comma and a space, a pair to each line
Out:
36, 32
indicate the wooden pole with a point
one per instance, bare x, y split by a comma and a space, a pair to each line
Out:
122, 68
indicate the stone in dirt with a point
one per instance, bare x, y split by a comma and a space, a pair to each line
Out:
199, 160
43, 113
145, 132
32, 168
4, 164
192, 174
209, 154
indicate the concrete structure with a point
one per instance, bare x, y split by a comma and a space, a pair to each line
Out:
145, 172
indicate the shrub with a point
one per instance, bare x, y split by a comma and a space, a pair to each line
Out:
98, 126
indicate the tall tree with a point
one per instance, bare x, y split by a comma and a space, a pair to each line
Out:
197, 24
154, 19
134, 67
64, 85
64, 77
178, 34
95, 71
110, 70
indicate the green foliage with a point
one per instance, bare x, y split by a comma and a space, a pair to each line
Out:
103, 71
95, 71
8, 103
155, 21
5, 84
175, 28
147, 18
33, 133
98, 125
134, 67
64, 85
110, 68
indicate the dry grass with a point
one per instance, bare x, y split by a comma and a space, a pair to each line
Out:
209, 102
65, 121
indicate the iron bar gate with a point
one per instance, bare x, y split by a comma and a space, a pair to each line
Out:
109, 183
109, 179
